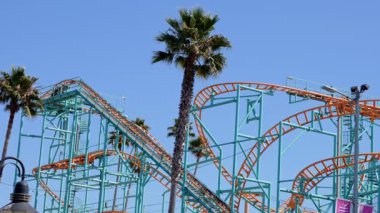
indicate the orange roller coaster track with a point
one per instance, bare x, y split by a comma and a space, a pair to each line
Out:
147, 142
92, 156
335, 107
313, 174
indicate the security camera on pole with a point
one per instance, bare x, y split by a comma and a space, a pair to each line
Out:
355, 93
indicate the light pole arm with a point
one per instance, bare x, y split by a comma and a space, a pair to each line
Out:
18, 164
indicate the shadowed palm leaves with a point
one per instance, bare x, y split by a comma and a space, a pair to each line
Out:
17, 91
198, 149
117, 135
141, 123
190, 45
173, 129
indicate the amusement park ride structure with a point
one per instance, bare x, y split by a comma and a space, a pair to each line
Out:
87, 171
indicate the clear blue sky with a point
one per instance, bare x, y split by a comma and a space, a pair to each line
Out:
109, 44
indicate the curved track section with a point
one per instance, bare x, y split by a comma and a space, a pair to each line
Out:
301, 119
207, 93
335, 107
144, 141
313, 174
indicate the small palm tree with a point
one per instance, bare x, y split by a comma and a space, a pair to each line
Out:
111, 140
119, 136
190, 45
17, 91
198, 149
172, 130
141, 123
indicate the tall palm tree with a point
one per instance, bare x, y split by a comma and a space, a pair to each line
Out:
198, 149
190, 45
17, 91
172, 130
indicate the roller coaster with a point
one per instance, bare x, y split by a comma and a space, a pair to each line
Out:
80, 170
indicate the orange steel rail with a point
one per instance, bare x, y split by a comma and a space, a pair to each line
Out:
144, 135
92, 156
322, 168
336, 107
64, 164
301, 119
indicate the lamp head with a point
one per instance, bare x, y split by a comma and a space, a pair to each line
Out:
364, 87
19, 199
354, 89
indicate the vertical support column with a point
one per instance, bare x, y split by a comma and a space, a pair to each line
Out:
356, 154
65, 126
143, 182
335, 183
163, 200
183, 200
372, 135
246, 207
139, 206
260, 140
39, 161
137, 201
338, 153
71, 155
125, 178
103, 170
86, 170
378, 191
87, 143
279, 169
232, 204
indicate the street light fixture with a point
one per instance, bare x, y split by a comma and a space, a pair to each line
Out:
19, 197
355, 92
331, 89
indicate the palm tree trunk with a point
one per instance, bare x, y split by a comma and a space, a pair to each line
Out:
196, 166
183, 120
8, 134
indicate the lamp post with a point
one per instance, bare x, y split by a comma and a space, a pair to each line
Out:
19, 197
355, 92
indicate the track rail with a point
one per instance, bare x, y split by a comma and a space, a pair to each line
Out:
335, 107
92, 156
301, 119
312, 175
144, 140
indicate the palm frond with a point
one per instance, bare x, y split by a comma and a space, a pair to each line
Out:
17, 91
180, 61
159, 56
175, 24
217, 42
